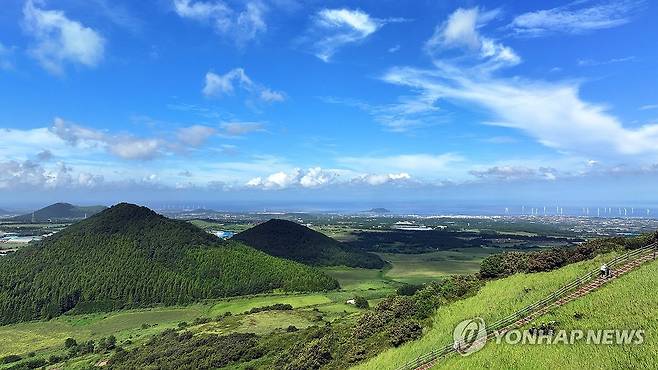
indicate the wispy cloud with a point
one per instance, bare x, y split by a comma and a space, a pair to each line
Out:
61, 40
591, 62
242, 26
333, 29
649, 106
236, 129
461, 30
576, 17
515, 173
217, 85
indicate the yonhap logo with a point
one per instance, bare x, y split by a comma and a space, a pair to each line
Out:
470, 336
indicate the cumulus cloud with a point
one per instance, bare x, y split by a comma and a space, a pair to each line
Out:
28, 174
461, 30
61, 40
576, 17
44, 155
333, 29
242, 25
217, 85
317, 177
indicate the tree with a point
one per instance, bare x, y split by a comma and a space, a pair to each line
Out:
70, 342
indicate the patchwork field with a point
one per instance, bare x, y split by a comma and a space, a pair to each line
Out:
425, 267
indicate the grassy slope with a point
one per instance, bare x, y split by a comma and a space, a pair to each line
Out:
48, 335
627, 303
494, 301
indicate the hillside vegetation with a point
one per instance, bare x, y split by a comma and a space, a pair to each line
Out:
287, 239
129, 256
59, 211
497, 299
626, 303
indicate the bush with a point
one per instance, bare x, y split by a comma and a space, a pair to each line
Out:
70, 342
361, 302
409, 289
403, 332
10, 358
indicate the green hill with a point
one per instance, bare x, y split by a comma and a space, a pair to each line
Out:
296, 242
60, 211
626, 303
129, 256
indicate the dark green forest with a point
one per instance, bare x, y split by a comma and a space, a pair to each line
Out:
287, 239
129, 256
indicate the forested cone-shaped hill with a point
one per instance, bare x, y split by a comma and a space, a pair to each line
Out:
60, 211
129, 256
296, 242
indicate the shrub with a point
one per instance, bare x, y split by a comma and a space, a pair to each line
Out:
70, 342
10, 358
361, 302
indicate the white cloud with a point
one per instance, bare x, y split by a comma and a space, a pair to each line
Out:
16, 175
553, 113
590, 62
240, 128
461, 30
195, 135
61, 40
514, 173
333, 29
649, 106
376, 180
271, 96
218, 85
123, 146
574, 18
317, 177
242, 26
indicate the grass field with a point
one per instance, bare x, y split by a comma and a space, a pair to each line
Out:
44, 336
425, 267
358, 278
627, 303
495, 300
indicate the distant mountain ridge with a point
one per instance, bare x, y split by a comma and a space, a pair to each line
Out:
129, 256
60, 211
290, 240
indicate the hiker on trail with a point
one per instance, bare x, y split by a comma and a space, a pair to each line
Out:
607, 271
604, 270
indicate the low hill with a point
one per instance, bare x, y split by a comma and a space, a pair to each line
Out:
296, 242
129, 256
60, 211
4, 212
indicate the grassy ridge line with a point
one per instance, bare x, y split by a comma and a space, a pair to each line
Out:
625, 303
494, 301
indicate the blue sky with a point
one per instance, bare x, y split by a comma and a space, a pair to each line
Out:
266, 100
